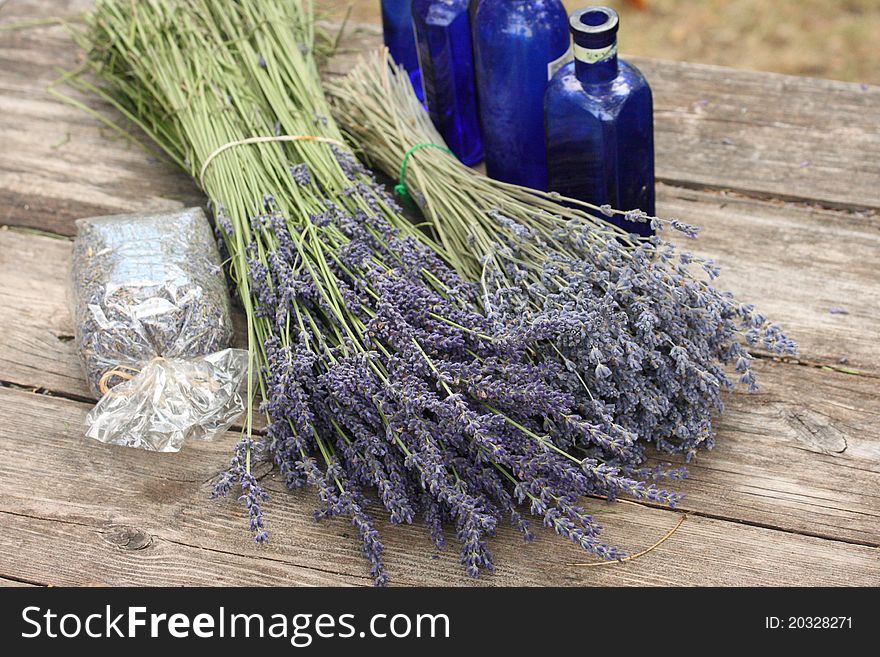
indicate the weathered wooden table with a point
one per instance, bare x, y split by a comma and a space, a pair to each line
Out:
782, 174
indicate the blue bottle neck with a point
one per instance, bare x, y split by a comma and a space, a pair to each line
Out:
594, 31
596, 65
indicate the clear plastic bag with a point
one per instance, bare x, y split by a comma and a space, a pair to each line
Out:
170, 401
153, 329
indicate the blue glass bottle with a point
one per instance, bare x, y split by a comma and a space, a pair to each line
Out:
443, 38
397, 28
518, 46
600, 127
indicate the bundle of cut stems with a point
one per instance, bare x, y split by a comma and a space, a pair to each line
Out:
642, 340
378, 371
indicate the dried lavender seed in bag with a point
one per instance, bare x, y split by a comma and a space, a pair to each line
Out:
153, 327
147, 286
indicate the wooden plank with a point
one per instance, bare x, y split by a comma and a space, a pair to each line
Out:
37, 349
759, 133
776, 483
25, 10
58, 163
803, 454
778, 135
839, 247
813, 271
12, 583
130, 517
765, 134
61, 553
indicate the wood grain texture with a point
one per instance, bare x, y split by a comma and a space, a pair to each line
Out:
831, 253
760, 133
37, 349
813, 271
802, 454
778, 135
12, 583
791, 495
58, 163
130, 517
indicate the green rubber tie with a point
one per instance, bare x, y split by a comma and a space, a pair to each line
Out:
401, 189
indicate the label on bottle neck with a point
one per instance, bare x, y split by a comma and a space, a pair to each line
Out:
557, 64
594, 55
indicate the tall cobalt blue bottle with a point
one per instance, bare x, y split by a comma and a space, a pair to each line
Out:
397, 27
600, 128
443, 36
518, 46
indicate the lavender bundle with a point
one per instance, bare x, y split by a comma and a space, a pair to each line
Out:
628, 327
381, 377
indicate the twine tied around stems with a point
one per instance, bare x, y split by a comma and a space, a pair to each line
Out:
263, 140
401, 189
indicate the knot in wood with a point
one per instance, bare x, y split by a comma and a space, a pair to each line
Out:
128, 538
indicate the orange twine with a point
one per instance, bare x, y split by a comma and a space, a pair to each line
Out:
638, 554
120, 372
263, 140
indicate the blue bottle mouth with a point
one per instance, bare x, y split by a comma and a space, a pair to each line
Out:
594, 27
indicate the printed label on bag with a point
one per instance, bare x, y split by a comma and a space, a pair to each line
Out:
594, 55
557, 64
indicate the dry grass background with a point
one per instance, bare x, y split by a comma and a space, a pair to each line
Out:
837, 39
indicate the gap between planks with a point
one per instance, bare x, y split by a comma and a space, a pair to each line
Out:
726, 189
63, 437
682, 508
797, 264
793, 411
129, 518
11, 582
762, 134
